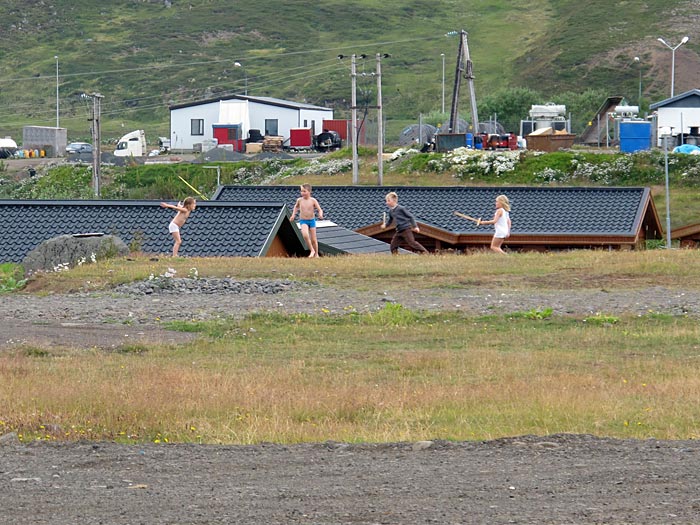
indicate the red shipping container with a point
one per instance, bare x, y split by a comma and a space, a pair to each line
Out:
226, 133
344, 128
300, 138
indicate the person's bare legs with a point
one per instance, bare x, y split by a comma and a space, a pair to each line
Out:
177, 243
496, 243
314, 242
307, 238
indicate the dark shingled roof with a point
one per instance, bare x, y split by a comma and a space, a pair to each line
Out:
214, 228
336, 240
542, 212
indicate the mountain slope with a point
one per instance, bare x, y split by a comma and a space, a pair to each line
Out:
143, 55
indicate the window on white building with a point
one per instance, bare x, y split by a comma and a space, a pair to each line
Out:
197, 126
271, 126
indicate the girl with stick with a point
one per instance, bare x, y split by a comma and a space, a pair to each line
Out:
501, 220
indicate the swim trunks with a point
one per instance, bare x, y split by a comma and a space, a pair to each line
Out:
172, 227
311, 223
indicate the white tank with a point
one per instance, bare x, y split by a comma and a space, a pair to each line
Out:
627, 110
547, 110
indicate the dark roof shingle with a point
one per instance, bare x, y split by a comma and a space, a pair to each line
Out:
213, 229
573, 211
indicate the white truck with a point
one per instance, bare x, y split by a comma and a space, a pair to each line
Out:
132, 145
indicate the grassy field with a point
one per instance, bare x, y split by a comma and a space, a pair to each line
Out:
393, 374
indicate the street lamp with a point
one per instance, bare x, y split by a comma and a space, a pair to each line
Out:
238, 64
673, 58
443, 82
56, 57
639, 97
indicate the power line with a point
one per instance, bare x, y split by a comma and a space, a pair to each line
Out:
95, 73
302, 72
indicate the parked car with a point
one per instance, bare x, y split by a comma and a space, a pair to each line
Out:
79, 147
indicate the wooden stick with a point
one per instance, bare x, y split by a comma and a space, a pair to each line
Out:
192, 188
468, 217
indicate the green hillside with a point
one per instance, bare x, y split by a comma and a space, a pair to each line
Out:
143, 55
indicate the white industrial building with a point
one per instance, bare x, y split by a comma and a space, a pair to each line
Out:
228, 120
679, 116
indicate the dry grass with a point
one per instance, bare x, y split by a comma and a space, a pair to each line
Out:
391, 375
395, 376
558, 271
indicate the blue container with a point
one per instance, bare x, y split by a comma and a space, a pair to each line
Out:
635, 136
470, 140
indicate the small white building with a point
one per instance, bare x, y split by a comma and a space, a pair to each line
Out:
228, 120
679, 115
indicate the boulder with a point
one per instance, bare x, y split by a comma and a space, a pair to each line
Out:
67, 251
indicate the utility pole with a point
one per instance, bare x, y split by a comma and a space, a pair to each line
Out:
353, 102
57, 119
96, 140
380, 124
443, 83
464, 67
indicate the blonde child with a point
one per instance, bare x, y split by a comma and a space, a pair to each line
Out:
405, 225
501, 220
306, 205
184, 209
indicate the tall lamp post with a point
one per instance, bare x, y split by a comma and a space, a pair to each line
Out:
245, 73
639, 97
443, 82
673, 59
57, 122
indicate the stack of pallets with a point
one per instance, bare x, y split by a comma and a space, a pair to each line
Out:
272, 143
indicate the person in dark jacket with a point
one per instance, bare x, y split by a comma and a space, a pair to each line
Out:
405, 225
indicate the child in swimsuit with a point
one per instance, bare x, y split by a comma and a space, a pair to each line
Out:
183, 212
306, 205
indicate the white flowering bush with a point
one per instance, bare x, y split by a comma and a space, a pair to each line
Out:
83, 260
164, 281
61, 267
470, 162
317, 166
271, 170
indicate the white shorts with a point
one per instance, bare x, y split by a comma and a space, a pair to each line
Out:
172, 227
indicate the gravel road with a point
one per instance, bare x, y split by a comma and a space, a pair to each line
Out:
526, 480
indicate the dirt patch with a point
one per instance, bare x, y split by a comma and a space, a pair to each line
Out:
526, 480
69, 334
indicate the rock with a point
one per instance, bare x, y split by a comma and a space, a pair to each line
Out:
421, 445
9, 439
204, 286
67, 251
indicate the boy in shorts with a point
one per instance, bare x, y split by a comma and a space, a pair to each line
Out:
306, 205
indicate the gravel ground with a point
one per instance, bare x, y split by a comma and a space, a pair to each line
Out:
139, 309
527, 480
